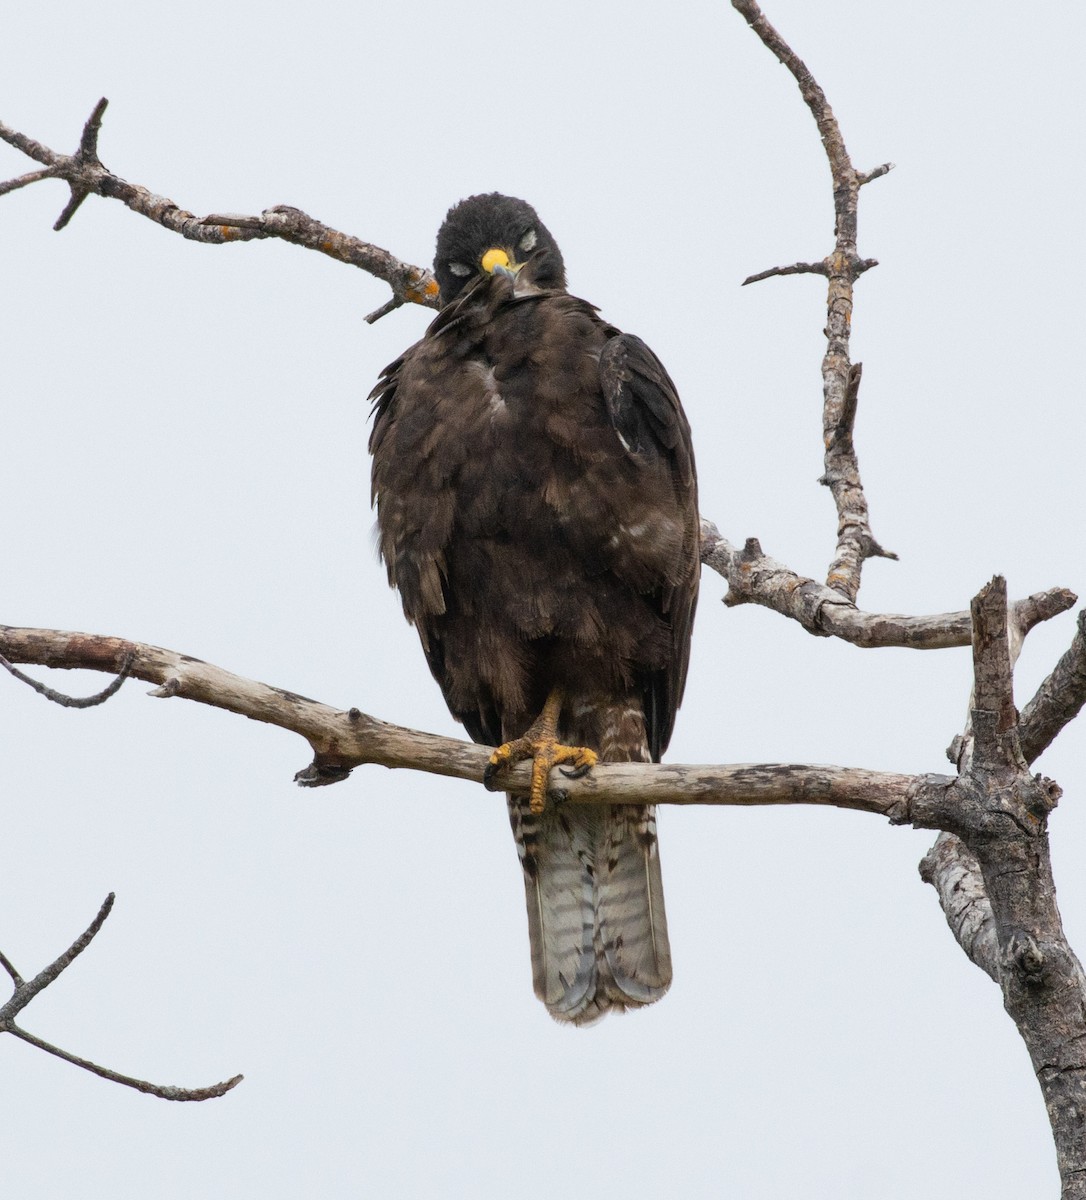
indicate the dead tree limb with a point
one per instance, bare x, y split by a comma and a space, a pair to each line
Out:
344, 739
841, 267
25, 991
755, 578
1058, 700
51, 694
992, 871
85, 175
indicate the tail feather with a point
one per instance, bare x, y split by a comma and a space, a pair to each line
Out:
556, 854
630, 903
594, 891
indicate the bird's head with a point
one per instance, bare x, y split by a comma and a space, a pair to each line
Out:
495, 234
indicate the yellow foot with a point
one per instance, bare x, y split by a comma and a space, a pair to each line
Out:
541, 745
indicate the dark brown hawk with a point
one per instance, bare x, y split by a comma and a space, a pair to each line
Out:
537, 510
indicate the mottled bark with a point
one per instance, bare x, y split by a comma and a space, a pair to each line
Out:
1058, 700
755, 578
993, 873
344, 739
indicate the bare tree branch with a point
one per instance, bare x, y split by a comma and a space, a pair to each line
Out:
990, 866
799, 268
755, 578
342, 740
875, 173
994, 715
85, 175
25, 992
13, 185
1058, 700
994, 882
955, 874
842, 267
164, 1091
69, 701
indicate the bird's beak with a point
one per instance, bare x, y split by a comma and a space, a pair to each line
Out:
497, 262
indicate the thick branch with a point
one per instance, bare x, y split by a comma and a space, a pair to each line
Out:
85, 175
994, 881
342, 740
955, 874
1058, 699
993, 692
842, 267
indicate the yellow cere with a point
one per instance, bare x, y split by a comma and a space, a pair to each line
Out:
494, 258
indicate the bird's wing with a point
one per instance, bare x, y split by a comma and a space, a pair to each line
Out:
644, 408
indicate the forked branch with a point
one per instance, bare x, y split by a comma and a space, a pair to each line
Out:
841, 267
755, 578
25, 991
85, 175
992, 871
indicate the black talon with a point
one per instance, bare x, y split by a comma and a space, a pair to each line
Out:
576, 772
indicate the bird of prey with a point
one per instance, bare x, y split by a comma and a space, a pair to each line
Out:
537, 511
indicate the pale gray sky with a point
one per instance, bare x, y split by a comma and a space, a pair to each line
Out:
185, 464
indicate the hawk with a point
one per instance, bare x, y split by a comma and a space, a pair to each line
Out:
537, 511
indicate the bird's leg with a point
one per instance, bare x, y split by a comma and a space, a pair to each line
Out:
540, 744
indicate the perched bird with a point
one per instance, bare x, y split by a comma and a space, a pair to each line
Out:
537, 510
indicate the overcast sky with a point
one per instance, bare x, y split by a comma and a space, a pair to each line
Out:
184, 463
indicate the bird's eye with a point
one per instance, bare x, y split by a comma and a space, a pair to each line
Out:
460, 269
527, 242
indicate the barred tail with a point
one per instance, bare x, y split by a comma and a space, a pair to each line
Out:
594, 891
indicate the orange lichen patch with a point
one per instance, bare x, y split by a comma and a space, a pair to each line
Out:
428, 291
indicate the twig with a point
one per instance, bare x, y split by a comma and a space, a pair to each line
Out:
799, 268
85, 175
13, 185
842, 267
875, 173
25, 992
806, 268
16, 978
164, 1091
70, 701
